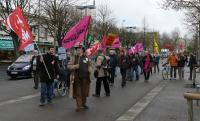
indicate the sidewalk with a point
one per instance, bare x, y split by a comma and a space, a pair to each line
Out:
170, 104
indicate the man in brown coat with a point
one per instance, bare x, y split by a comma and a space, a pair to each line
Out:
80, 78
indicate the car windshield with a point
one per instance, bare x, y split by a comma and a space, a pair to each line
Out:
24, 58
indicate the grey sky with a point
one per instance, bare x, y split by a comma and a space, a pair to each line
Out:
134, 11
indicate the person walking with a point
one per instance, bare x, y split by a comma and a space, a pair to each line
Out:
35, 68
48, 72
147, 60
173, 62
112, 67
157, 59
80, 65
181, 65
100, 64
192, 65
123, 65
135, 64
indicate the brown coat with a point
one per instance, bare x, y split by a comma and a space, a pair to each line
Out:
79, 87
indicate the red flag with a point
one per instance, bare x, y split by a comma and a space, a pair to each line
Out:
77, 33
92, 50
111, 38
17, 22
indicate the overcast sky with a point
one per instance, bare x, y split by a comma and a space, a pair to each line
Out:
134, 11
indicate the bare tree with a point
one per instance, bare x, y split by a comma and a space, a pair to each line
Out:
58, 17
105, 18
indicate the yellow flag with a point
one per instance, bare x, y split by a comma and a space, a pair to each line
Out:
155, 43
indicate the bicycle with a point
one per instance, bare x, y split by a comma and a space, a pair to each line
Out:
166, 71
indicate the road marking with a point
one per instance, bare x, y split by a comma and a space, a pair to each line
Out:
19, 99
136, 109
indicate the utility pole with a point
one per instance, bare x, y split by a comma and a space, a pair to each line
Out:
144, 33
38, 34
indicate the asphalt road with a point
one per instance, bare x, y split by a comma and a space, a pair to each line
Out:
19, 101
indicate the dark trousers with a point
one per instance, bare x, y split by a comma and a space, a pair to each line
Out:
105, 84
123, 73
173, 69
36, 79
135, 68
146, 74
112, 75
191, 70
46, 92
156, 66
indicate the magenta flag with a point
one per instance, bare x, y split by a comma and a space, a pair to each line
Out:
116, 43
132, 50
139, 47
77, 33
103, 43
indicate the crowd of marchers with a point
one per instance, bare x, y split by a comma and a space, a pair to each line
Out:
78, 69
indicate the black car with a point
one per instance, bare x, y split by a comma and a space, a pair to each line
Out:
21, 67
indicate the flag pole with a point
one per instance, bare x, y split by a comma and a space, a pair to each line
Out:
42, 59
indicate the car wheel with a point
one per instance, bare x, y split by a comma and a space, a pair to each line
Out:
13, 77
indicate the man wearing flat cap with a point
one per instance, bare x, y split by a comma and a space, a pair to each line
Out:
80, 77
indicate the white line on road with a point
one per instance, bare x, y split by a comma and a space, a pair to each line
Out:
19, 99
136, 109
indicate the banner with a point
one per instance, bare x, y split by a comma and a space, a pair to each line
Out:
92, 50
110, 39
77, 33
156, 48
103, 43
132, 50
139, 47
116, 43
17, 22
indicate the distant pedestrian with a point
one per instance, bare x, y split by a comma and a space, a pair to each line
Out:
35, 68
123, 64
181, 65
173, 62
192, 65
147, 60
112, 66
156, 62
48, 72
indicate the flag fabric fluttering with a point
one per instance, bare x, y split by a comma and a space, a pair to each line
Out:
156, 47
116, 43
16, 22
93, 49
76, 34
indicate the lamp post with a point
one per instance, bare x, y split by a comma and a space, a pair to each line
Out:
86, 7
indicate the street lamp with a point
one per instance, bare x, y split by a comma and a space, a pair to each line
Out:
86, 7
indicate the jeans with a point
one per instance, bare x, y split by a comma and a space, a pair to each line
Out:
173, 68
46, 92
135, 68
129, 74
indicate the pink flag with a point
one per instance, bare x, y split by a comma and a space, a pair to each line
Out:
116, 43
77, 33
132, 50
92, 50
103, 42
139, 47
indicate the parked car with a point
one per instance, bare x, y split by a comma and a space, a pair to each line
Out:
21, 67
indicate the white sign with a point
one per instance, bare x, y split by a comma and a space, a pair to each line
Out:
30, 47
62, 53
